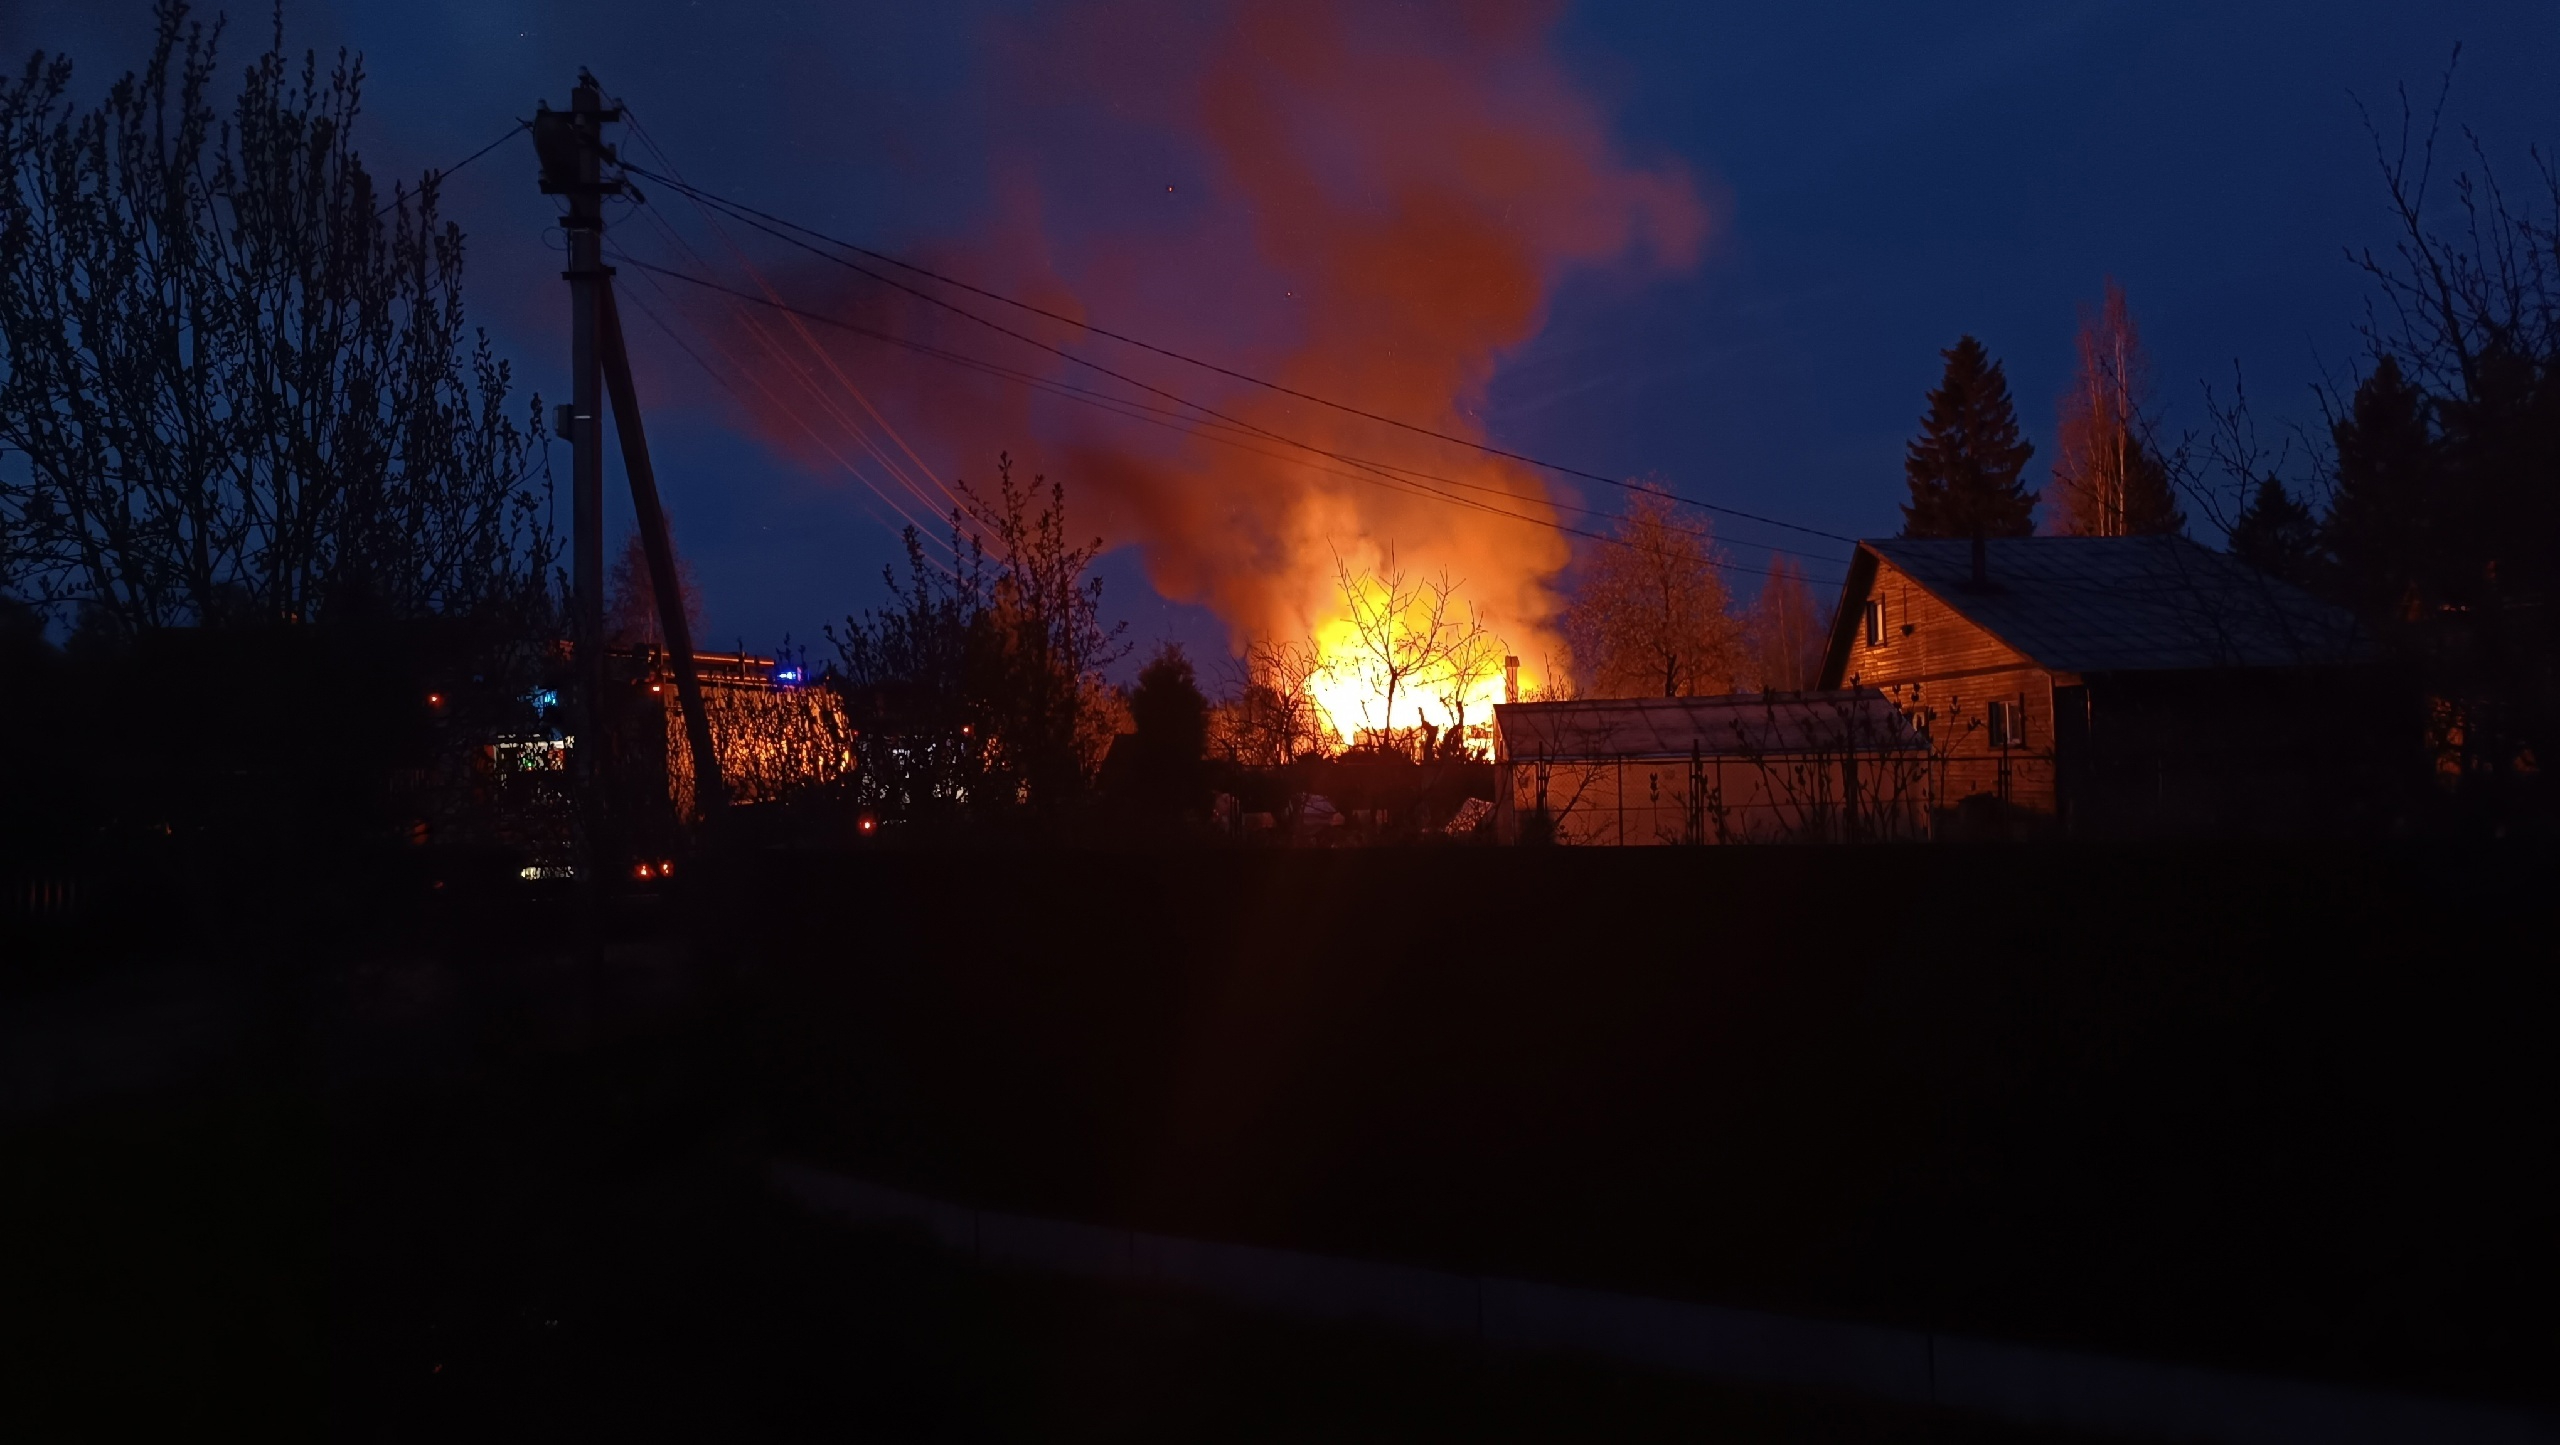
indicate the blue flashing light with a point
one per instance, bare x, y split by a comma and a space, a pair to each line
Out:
543, 698
787, 675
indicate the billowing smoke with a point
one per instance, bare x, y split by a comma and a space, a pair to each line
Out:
1368, 203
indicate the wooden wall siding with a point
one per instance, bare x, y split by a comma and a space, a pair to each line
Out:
1943, 668
1940, 642
1607, 802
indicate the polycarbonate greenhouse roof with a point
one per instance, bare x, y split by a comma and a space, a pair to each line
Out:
1743, 724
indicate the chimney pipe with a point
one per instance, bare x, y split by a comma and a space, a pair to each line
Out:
1510, 679
1981, 564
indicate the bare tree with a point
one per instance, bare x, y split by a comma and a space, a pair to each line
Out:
236, 381
1406, 632
981, 685
2444, 528
1650, 618
1786, 630
2109, 477
631, 598
1474, 659
1273, 719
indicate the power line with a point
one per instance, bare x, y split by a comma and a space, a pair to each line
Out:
959, 359
1394, 478
508, 135
1139, 411
778, 402
1158, 416
777, 227
789, 362
1034, 342
668, 329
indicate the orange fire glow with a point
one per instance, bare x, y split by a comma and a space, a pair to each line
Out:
1387, 197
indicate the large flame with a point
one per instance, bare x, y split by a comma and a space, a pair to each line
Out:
1360, 202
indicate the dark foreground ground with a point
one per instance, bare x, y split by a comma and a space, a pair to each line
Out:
481, 1293
574, 1244
387, 1160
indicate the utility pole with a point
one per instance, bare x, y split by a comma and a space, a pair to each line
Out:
709, 794
573, 152
572, 149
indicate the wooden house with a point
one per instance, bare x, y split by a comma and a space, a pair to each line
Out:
2108, 684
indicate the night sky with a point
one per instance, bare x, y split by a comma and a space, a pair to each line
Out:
1878, 183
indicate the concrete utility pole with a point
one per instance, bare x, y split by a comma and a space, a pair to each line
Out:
572, 150
664, 580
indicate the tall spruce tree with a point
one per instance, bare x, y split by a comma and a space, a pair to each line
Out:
2277, 534
2380, 526
1171, 717
1965, 464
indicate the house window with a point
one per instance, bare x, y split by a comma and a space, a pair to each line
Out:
2008, 725
1875, 622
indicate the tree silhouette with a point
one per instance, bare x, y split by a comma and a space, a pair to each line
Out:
2445, 525
1786, 630
1407, 632
1171, 717
631, 598
1965, 465
981, 683
1274, 718
1650, 618
2386, 463
236, 377
2107, 482
2277, 534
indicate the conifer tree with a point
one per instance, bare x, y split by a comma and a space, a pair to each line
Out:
2387, 460
1965, 464
1171, 719
2277, 534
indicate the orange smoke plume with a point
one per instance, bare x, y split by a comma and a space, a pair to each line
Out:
1368, 204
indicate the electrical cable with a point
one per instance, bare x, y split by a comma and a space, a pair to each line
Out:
672, 334
794, 371
457, 165
1170, 396
768, 223
799, 372
1232, 435
1394, 478
779, 227
1191, 426
1224, 417
906, 518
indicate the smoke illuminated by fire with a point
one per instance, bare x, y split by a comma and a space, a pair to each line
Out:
1365, 203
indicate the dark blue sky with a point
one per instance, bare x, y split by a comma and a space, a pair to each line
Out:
1883, 182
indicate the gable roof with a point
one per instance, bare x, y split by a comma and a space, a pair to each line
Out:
1742, 724
2111, 604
